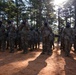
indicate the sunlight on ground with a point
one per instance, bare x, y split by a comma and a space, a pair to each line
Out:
36, 64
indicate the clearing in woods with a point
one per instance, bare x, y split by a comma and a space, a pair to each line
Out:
34, 63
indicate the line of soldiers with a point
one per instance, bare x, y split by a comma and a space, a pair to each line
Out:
20, 38
25, 37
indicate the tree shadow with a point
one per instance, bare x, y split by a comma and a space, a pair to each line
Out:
34, 67
7, 58
70, 63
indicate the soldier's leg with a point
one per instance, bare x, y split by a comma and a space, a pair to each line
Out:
75, 45
7, 44
32, 47
62, 44
44, 48
67, 48
3, 45
0, 44
20, 44
38, 44
11, 46
35, 45
49, 48
67, 51
25, 47
16, 42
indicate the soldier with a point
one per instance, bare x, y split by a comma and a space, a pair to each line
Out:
62, 39
20, 27
7, 40
52, 38
24, 37
2, 37
74, 34
11, 36
46, 33
18, 39
67, 39
37, 38
31, 39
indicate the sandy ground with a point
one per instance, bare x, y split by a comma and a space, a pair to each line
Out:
34, 63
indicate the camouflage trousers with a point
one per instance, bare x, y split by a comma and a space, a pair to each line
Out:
24, 45
11, 44
67, 46
75, 44
2, 44
62, 43
46, 46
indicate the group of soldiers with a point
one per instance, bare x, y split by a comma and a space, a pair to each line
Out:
20, 38
28, 38
25, 38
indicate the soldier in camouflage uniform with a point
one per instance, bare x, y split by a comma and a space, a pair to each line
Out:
24, 37
11, 36
31, 39
67, 39
62, 39
74, 36
2, 37
52, 38
18, 39
46, 38
7, 40
37, 38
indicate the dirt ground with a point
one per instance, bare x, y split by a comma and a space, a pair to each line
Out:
34, 63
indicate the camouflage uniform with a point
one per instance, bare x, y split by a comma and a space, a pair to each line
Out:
31, 39
74, 34
62, 39
46, 33
2, 37
18, 39
7, 38
24, 38
19, 36
37, 38
52, 38
12, 37
67, 39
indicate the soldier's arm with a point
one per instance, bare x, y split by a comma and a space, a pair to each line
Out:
3, 29
41, 29
50, 30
